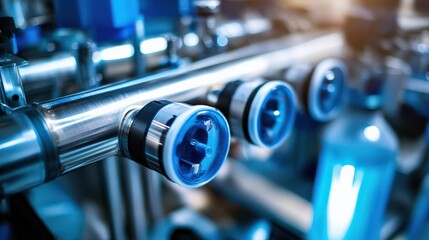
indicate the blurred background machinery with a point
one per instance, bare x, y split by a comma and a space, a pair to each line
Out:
214, 119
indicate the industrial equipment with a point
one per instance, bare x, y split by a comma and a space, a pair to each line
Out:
214, 119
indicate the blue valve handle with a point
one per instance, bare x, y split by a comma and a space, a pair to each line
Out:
187, 144
277, 114
261, 113
198, 143
326, 90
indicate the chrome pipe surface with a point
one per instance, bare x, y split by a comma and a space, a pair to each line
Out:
62, 65
111, 61
84, 127
117, 60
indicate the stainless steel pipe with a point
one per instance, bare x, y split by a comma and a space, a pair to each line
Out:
45, 71
84, 127
118, 60
62, 65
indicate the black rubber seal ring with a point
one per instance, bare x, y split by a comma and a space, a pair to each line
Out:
139, 129
52, 163
225, 97
245, 119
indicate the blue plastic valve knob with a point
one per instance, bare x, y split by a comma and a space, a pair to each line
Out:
327, 88
196, 146
272, 114
262, 113
187, 144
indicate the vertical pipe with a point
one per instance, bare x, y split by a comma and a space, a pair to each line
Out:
110, 168
87, 79
135, 192
140, 64
86, 71
135, 198
153, 196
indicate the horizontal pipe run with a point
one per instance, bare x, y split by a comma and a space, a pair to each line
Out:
120, 57
84, 126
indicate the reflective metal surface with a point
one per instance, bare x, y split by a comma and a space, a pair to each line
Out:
62, 65
238, 106
84, 126
11, 91
21, 155
99, 147
110, 61
86, 74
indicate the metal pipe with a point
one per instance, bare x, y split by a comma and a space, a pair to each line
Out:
115, 202
64, 64
137, 213
87, 79
60, 65
84, 127
86, 71
112, 62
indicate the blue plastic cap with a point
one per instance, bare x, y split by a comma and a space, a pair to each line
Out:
327, 90
272, 114
196, 146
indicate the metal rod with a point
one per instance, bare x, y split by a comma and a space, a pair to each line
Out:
137, 214
115, 203
86, 70
139, 61
133, 172
154, 199
87, 79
